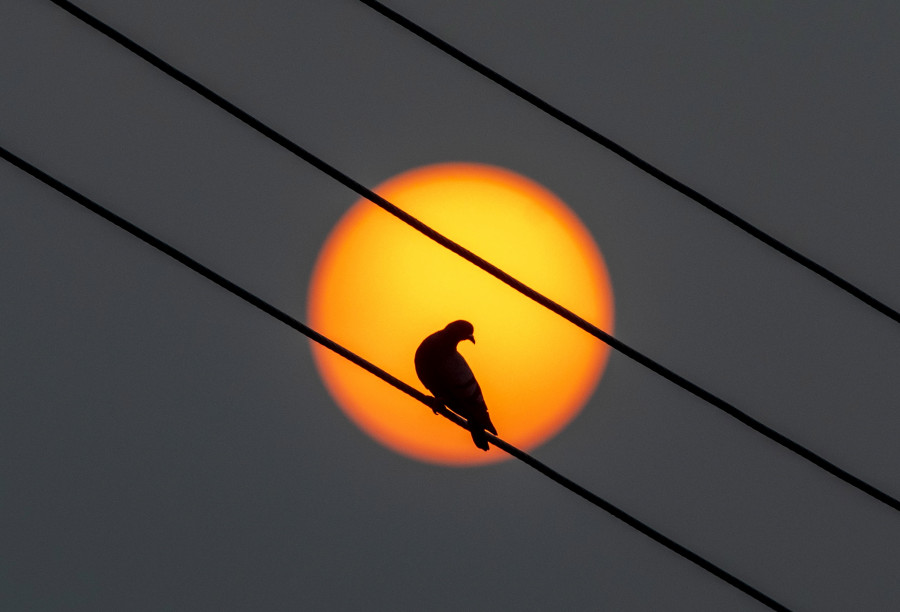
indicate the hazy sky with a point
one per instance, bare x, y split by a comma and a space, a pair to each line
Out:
164, 446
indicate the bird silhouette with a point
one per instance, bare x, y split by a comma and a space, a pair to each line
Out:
446, 374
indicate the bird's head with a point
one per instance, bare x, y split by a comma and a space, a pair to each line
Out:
461, 330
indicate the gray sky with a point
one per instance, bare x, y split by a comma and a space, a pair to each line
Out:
164, 446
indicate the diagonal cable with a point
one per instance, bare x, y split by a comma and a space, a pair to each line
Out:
429, 401
491, 269
634, 159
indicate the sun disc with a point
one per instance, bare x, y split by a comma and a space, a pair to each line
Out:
379, 288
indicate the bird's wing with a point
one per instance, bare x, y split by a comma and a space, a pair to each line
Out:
458, 380
462, 393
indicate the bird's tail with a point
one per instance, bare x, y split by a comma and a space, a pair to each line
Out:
478, 426
478, 437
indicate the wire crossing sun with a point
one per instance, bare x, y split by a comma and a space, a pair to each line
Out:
379, 288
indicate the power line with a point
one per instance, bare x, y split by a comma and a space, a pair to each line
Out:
288, 320
634, 159
491, 269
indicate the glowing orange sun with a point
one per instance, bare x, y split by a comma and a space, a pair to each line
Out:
379, 288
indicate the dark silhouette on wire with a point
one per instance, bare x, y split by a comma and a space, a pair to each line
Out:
634, 159
436, 406
446, 374
491, 269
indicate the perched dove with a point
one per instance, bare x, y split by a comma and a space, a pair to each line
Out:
446, 374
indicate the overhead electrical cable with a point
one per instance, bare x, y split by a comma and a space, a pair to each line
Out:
429, 401
491, 269
634, 159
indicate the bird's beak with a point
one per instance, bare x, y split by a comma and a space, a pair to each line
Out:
472, 338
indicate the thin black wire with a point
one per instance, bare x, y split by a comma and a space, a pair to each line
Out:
634, 159
391, 380
491, 269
